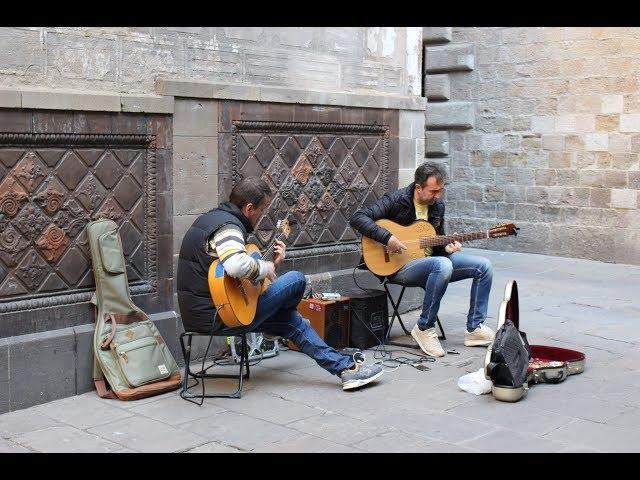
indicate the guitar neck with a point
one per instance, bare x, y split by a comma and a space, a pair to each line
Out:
268, 255
447, 239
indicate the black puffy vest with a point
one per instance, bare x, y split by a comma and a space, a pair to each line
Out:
194, 298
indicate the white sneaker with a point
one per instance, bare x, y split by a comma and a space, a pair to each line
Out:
480, 337
428, 341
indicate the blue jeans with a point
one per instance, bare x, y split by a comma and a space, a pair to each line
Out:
434, 274
277, 315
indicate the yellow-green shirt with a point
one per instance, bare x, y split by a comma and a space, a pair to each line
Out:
422, 213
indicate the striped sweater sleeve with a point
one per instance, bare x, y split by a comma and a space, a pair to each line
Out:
227, 244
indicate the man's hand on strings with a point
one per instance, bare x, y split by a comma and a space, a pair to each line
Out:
278, 248
395, 246
453, 247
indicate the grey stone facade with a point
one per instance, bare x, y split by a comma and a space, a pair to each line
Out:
128, 59
543, 128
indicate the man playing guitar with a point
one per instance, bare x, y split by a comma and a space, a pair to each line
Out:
222, 234
421, 200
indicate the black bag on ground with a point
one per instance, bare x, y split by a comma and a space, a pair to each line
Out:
510, 356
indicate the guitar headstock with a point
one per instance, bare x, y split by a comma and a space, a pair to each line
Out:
284, 227
503, 230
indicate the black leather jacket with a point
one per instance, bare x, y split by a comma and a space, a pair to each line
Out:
398, 207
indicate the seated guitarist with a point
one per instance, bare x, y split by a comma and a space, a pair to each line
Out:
222, 233
421, 200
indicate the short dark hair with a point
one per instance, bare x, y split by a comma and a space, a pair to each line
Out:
429, 169
249, 190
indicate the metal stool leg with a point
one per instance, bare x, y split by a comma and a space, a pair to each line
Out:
202, 374
396, 305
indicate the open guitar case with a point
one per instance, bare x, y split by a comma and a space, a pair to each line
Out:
546, 364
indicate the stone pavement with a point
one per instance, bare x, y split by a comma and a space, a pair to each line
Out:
292, 405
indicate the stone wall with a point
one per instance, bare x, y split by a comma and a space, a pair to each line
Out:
128, 59
543, 130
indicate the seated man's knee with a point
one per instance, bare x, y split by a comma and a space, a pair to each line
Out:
444, 266
484, 265
297, 281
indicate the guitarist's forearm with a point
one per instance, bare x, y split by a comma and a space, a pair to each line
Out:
242, 265
367, 227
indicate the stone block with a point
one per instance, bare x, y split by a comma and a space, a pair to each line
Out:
449, 58
437, 87
630, 122
84, 358
146, 103
70, 100
624, 198
195, 118
407, 153
612, 104
42, 367
411, 124
596, 142
10, 99
405, 176
553, 142
436, 34
450, 115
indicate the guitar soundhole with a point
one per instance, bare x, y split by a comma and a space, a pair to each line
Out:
386, 255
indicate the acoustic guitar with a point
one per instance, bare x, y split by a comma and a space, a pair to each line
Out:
236, 299
418, 236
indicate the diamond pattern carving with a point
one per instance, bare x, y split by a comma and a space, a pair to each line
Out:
111, 210
360, 152
31, 221
90, 193
30, 171
12, 195
264, 152
32, 270
73, 265
51, 197
12, 244
326, 206
137, 170
338, 225
302, 208
130, 237
127, 193
315, 151
302, 170
315, 226
108, 170
71, 170
71, 218
53, 242
51, 188
321, 174
290, 190
314, 189
277, 171
126, 157
349, 169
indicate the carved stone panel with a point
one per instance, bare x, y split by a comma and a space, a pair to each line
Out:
51, 186
320, 173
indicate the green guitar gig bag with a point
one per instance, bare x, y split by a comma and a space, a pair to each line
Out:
131, 359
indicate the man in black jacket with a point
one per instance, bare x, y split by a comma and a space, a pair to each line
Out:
441, 265
221, 234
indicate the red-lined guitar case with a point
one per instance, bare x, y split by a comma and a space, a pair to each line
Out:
547, 364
